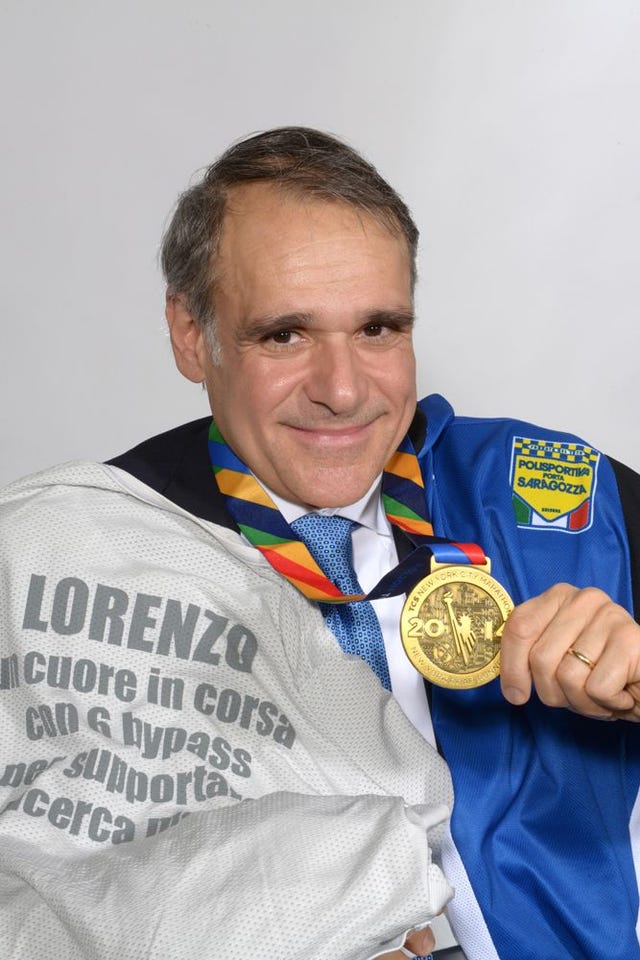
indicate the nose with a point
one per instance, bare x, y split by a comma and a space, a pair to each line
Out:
337, 376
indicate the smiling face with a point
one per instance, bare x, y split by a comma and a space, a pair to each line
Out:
313, 306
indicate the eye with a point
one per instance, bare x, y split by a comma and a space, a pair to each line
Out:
375, 329
388, 327
283, 336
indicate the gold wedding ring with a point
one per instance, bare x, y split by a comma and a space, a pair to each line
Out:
582, 657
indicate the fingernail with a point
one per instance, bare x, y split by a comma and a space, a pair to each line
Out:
514, 695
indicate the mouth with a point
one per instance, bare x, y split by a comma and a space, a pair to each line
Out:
324, 436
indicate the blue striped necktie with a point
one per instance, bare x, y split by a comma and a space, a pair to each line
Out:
356, 626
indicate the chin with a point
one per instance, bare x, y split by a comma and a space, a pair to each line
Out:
331, 491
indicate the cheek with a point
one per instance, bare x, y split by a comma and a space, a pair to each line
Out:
399, 386
225, 393
268, 385
252, 398
397, 380
408, 378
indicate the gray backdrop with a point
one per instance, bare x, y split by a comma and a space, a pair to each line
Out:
510, 127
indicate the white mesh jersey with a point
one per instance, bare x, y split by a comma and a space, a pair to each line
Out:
190, 765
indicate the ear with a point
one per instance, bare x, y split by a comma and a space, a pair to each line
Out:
186, 339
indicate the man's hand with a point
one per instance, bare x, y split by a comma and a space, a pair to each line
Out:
579, 649
419, 943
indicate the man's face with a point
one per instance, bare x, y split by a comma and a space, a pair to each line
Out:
316, 385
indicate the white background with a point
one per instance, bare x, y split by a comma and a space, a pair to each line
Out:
511, 127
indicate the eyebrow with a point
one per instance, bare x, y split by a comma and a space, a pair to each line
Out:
259, 327
399, 318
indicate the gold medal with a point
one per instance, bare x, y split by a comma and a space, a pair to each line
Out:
452, 623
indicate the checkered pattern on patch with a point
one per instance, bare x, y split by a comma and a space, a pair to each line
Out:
556, 450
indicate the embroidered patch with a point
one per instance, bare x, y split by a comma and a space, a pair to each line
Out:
553, 484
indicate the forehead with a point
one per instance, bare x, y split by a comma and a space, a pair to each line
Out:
266, 220
280, 252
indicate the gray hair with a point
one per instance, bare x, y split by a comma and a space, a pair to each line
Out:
301, 160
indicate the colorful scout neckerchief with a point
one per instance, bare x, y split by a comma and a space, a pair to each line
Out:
404, 501
452, 621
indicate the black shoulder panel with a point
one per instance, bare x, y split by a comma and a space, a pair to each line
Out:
629, 488
176, 464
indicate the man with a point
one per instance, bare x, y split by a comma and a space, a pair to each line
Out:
215, 685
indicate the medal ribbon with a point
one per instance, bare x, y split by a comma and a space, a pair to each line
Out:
266, 529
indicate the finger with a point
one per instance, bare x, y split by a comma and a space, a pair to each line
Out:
604, 683
632, 715
602, 658
581, 624
613, 683
421, 942
418, 943
633, 712
523, 631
